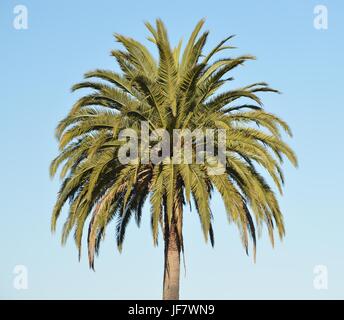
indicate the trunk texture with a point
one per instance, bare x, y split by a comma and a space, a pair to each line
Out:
172, 264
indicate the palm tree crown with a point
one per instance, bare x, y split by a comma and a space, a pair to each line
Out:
176, 91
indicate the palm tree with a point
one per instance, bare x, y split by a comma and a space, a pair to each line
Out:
176, 91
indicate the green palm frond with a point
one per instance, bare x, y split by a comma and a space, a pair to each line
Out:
183, 88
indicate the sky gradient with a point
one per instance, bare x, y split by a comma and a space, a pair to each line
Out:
66, 39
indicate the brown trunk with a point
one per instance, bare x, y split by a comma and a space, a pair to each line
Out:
172, 264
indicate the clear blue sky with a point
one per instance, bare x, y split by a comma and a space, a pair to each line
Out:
67, 38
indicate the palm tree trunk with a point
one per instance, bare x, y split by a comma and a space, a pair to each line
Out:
172, 264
